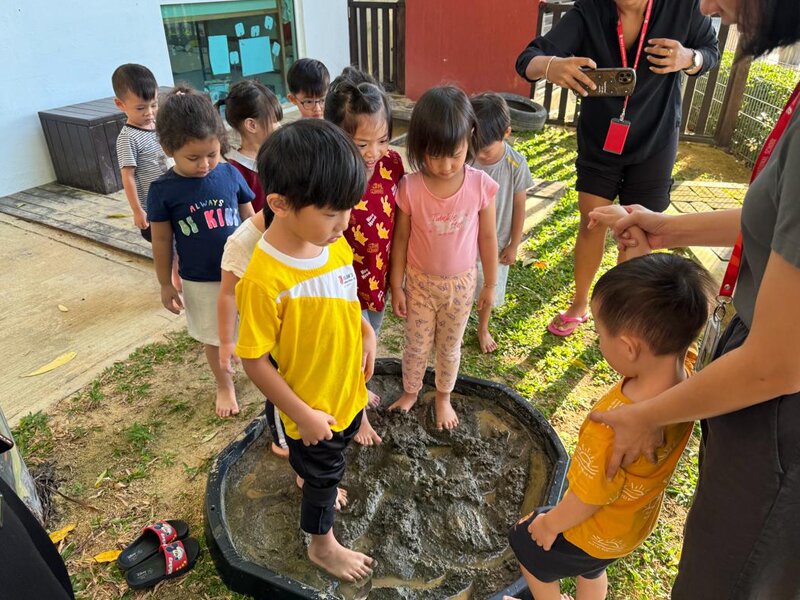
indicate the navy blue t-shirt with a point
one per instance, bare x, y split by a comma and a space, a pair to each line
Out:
203, 212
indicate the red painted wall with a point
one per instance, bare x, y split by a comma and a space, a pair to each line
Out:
472, 43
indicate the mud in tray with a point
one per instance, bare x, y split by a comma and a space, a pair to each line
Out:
433, 508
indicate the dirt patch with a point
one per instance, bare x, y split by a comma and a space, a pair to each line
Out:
432, 507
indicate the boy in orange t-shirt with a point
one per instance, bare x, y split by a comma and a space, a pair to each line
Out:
647, 313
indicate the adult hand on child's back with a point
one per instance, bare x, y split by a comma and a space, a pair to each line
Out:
171, 299
399, 303
315, 427
634, 435
541, 533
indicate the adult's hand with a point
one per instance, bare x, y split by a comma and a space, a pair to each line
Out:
633, 435
568, 73
668, 56
654, 225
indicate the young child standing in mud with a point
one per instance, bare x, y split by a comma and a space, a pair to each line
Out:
647, 313
298, 300
358, 105
445, 218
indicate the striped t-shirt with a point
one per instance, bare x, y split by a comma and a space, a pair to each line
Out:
139, 148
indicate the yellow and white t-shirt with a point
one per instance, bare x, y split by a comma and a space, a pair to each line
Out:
306, 313
631, 501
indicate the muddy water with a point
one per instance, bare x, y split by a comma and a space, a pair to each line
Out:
432, 507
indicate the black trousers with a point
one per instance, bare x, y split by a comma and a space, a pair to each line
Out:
322, 468
742, 538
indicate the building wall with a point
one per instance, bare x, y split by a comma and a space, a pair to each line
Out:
66, 55
475, 48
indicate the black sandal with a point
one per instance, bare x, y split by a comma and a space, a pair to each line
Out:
148, 543
173, 560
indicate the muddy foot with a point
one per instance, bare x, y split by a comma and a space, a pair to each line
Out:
405, 402
341, 494
278, 451
341, 562
373, 399
446, 417
367, 436
486, 342
226, 402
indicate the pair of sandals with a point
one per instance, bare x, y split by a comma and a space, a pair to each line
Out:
163, 551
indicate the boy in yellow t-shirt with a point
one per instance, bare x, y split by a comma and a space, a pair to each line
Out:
298, 302
647, 313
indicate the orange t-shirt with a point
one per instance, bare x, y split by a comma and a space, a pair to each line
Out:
631, 501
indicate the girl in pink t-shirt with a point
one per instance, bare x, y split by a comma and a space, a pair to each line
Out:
445, 217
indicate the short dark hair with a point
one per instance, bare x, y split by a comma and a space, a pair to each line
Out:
441, 121
188, 115
250, 99
355, 93
312, 162
135, 79
309, 76
768, 24
494, 119
662, 298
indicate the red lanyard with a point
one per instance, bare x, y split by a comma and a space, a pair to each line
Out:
623, 52
732, 272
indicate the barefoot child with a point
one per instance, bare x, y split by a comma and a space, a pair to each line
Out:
358, 105
308, 81
511, 172
445, 218
298, 300
647, 312
254, 112
201, 202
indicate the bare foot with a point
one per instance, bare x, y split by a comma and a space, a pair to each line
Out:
326, 552
405, 403
486, 341
446, 417
278, 451
226, 402
367, 436
373, 399
341, 494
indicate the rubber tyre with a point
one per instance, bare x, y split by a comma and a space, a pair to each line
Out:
526, 115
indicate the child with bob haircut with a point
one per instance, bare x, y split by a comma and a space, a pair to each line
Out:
298, 301
647, 312
445, 218
201, 201
308, 81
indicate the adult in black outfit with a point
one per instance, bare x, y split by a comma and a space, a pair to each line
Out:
678, 39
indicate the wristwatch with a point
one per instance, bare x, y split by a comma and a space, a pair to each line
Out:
697, 62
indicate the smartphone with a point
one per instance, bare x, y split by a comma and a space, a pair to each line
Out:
611, 82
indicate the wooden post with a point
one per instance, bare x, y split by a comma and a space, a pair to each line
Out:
352, 23
400, 46
734, 94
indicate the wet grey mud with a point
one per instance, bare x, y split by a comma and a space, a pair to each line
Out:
432, 507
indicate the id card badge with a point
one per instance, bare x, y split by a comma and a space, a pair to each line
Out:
616, 136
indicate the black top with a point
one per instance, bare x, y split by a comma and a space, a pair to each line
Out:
589, 29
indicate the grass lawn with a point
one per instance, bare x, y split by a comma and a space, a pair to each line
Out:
136, 444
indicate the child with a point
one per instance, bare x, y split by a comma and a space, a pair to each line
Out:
357, 104
511, 172
298, 300
308, 81
445, 217
647, 312
254, 111
201, 201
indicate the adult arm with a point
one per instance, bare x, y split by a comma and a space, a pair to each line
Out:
162, 257
669, 55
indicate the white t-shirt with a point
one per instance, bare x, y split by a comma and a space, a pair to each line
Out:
239, 248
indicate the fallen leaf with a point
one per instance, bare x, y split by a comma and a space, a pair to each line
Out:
580, 364
63, 308
540, 264
107, 556
210, 436
20, 205
54, 364
100, 478
117, 216
59, 535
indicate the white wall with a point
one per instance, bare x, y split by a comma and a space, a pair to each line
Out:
63, 52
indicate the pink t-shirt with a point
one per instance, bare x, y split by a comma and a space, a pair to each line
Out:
444, 231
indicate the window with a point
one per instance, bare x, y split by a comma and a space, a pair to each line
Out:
214, 44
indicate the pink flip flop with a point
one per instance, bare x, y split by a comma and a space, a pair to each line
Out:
573, 323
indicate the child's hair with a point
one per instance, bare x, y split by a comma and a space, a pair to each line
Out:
309, 76
188, 115
249, 99
135, 79
312, 162
494, 119
355, 93
441, 121
662, 298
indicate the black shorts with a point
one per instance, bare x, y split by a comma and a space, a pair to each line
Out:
647, 183
562, 560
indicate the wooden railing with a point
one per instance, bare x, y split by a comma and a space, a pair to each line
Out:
377, 40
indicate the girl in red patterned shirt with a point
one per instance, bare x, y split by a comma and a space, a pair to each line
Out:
358, 104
